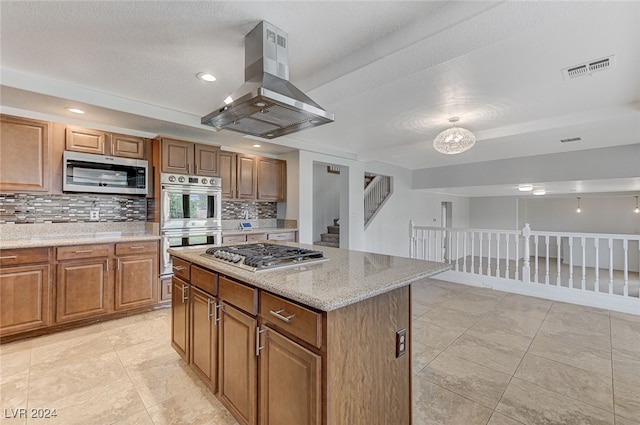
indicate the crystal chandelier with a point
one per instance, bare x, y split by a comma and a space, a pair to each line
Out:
454, 140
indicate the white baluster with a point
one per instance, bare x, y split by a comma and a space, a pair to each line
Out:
480, 254
526, 268
625, 247
497, 254
546, 274
464, 258
535, 267
611, 265
517, 270
559, 259
506, 270
570, 261
473, 248
489, 254
596, 285
457, 250
584, 265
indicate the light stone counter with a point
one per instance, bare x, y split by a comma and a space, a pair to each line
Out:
258, 231
41, 235
347, 278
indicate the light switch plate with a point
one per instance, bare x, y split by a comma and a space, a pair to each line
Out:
94, 214
401, 342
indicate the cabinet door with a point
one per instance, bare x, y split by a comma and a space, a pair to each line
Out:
204, 337
237, 364
85, 140
290, 382
24, 298
165, 289
25, 155
177, 156
127, 146
207, 160
82, 289
272, 179
136, 281
228, 174
246, 177
180, 317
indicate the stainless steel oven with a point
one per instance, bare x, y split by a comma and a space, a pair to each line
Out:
191, 213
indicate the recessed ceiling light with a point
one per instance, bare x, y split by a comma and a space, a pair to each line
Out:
206, 77
228, 100
257, 145
75, 110
525, 188
539, 192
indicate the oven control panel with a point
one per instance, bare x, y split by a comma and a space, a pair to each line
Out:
187, 180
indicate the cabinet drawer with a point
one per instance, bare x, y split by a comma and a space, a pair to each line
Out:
234, 238
205, 280
237, 294
293, 318
82, 251
258, 237
10, 257
181, 269
284, 236
126, 248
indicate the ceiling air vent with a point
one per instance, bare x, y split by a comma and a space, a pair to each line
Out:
572, 139
589, 68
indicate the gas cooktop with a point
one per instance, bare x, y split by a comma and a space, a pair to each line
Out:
258, 257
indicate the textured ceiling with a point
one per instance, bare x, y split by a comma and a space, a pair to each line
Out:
393, 72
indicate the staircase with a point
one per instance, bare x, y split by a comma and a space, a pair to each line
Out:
332, 237
377, 190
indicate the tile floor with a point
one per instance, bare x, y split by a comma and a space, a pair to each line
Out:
480, 357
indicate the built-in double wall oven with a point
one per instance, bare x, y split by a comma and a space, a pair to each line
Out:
191, 213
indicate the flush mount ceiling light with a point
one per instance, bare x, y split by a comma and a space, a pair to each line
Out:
206, 77
257, 145
454, 140
525, 188
539, 192
637, 210
75, 110
578, 210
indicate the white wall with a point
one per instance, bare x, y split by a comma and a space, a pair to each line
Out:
326, 196
493, 213
290, 210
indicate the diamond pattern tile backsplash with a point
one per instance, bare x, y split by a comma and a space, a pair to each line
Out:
239, 210
69, 208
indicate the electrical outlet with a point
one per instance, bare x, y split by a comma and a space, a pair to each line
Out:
401, 342
94, 214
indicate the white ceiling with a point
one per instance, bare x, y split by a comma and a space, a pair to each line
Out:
392, 72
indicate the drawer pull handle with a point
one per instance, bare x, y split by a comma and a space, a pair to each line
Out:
185, 297
178, 268
258, 348
216, 316
136, 247
9, 257
281, 317
83, 251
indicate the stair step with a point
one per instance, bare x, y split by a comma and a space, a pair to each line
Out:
334, 229
330, 237
331, 244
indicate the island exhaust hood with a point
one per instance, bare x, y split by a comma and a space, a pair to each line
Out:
267, 105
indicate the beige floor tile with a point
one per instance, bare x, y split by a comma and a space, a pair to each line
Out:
197, 406
569, 352
525, 305
435, 405
14, 362
625, 333
468, 379
14, 392
477, 307
579, 384
499, 419
48, 383
74, 347
422, 355
578, 322
626, 367
449, 318
627, 400
432, 335
15, 347
141, 418
531, 404
578, 337
624, 421
146, 351
104, 403
418, 309
487, 352
516, 333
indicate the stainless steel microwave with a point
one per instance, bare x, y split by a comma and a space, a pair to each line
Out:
84, 172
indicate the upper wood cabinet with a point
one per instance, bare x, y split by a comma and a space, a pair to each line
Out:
182, 157
253, 177
98, 142
25, 155
272, 179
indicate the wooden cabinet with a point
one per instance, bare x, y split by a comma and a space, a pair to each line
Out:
246, 177
25, 155
182, 157
228, 174
282, 236
165, 289
237, 370
136, 282
204, 337
83, 283
180, 317
261, 237
290, 382
98, 142
25, 290
272, 180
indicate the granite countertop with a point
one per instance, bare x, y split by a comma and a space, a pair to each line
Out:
347, 278
257, 231
78, 239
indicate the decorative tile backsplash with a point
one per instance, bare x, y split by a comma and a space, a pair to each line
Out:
29, 208
239, 210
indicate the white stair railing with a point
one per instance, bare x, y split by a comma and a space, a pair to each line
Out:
582, 263
376, 194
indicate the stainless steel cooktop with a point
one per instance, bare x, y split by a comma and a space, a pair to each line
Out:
258, 257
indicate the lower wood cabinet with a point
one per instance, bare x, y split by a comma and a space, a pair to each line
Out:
136, 283
180, 317
25, 290
204, 337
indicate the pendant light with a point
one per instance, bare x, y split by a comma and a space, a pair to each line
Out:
578, 210
454, 140
637, 210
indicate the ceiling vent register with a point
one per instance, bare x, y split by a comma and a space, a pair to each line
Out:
589, 68
572, 139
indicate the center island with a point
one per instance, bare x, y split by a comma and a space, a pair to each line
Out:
324, 344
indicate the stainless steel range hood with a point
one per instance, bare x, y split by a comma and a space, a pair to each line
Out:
267, 104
